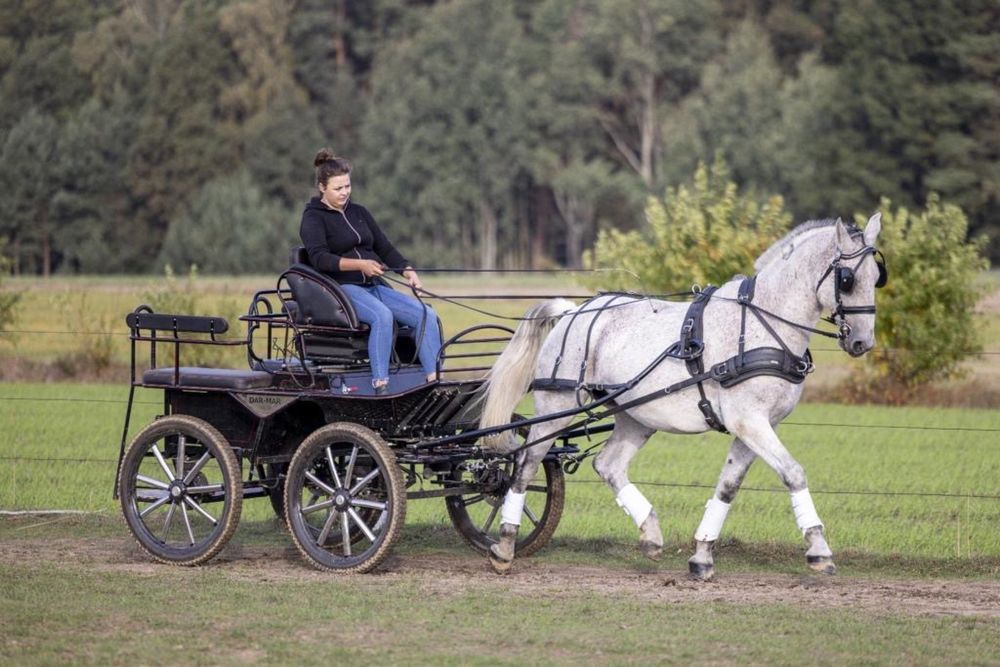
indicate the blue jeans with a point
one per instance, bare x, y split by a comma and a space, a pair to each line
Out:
377, 306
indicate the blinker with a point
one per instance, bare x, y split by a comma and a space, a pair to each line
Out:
845, 275
883, 272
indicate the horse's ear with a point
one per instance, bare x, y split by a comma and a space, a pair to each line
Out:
843, 236
873, 228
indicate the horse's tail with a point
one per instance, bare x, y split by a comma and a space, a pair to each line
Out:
512, 373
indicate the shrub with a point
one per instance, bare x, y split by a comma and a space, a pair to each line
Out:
94, 352
185, 297
925, 325
8, 298
700, 234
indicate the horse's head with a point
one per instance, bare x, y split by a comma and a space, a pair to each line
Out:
847, 287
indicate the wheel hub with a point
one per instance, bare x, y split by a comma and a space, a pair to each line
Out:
342, 500
177, 489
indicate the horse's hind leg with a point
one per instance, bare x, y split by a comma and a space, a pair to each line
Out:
738, 461
612, 465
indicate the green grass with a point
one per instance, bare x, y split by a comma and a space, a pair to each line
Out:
90, 597
863, 470
215, 616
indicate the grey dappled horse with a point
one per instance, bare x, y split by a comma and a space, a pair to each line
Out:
799, 278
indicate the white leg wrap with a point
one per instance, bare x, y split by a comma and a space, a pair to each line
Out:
805, 512
513, 505
634, 503
711, 522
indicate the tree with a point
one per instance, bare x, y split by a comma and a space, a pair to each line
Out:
736, 113
230, 227
91, 203
27, 178
186, 133
647, 55
918, 107
442, 156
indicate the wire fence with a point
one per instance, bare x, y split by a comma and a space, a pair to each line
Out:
804, 424
125, 334
670, 485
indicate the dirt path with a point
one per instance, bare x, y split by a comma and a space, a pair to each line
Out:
449, 574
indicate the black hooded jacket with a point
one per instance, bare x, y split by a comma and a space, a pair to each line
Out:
328, 235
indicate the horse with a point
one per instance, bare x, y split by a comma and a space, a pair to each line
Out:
644, 359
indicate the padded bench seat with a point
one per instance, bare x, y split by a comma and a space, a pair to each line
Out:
213, 378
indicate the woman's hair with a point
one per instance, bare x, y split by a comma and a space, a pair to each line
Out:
327, 165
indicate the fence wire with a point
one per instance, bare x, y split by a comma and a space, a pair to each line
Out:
981, 353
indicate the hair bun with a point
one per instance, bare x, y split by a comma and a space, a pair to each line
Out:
324, 155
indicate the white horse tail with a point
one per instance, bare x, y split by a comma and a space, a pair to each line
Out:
512, 373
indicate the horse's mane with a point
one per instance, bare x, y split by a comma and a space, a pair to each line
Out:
807, 227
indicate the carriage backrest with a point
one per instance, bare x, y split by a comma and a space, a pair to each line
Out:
318, 298
298, 255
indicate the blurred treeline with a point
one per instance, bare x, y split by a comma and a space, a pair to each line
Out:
483, 133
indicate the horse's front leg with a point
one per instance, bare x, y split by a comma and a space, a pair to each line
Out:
612, 466
738, 461
760, 437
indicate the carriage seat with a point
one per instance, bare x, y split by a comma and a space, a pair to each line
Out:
318, 300
209, 378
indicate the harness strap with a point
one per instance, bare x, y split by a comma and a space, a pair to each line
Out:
692, 343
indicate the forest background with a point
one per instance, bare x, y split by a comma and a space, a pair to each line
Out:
484, 134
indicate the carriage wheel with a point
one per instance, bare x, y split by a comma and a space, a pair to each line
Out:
181, 490
476, 515
345, 500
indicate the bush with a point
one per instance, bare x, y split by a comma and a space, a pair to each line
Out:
94, 352
8, 299
925, 325
702, 234
185, 297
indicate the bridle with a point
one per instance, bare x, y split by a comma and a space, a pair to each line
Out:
843, 283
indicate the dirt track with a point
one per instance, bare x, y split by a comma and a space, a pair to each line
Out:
457, 574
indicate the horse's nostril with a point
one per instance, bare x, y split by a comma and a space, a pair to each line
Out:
859, 347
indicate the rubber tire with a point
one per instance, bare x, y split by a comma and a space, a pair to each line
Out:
533, 541
385, 460
207, 435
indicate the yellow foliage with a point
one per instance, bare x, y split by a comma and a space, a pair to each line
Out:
699, 234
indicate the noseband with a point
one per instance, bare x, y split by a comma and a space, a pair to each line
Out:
843, 283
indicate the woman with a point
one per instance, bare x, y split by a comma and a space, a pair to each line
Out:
344, 242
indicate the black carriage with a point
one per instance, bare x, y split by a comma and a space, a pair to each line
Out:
302, 426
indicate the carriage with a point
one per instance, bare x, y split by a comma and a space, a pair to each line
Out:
303, 427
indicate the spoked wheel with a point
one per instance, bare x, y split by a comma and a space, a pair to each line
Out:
476, 515
180, 489
345, 500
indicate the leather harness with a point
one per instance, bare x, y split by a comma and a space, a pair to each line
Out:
772, 361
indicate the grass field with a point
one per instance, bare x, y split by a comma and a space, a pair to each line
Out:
909, 497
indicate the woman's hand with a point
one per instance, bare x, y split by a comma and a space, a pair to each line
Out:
368, 267
412, 278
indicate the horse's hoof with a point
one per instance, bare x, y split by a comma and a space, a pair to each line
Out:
500, 564
651, 550
701, 571
821, 564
